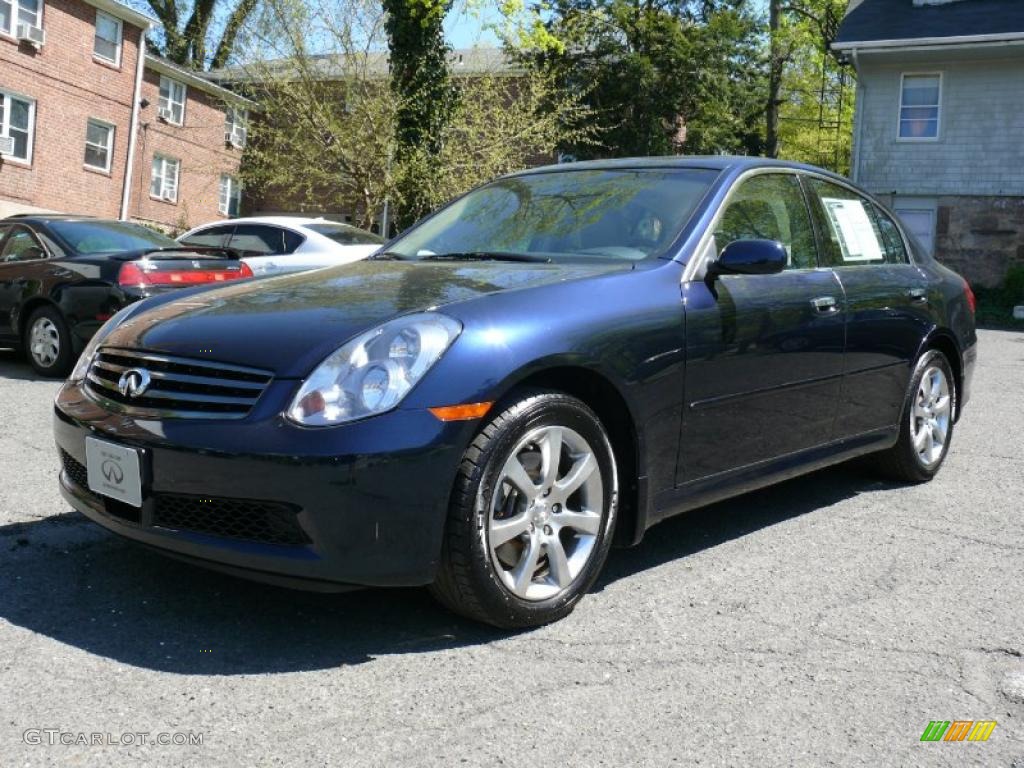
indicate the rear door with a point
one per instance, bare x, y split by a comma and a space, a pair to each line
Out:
887, 298
261, 246
763, 352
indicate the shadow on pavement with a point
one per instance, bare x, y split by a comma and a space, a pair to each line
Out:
66, 578
14, 366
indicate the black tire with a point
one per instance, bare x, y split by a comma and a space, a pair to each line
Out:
58, 366
902, 462
468, 581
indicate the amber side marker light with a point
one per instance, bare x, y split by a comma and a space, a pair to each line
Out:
461, 412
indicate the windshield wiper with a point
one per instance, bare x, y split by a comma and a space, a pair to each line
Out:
488, 256
388, 256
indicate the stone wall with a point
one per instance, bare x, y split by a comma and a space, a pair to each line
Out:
980, 237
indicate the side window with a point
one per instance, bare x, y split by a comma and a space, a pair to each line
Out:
213, 237
259, 240
292, 240
850, 230
21, 245
892, 241
770, 207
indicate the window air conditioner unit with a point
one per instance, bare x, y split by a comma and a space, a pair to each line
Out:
165, 113
232, 139
6, 145
30, 34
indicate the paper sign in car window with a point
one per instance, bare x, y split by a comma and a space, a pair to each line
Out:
854, 229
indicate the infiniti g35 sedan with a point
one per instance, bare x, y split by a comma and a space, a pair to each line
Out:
551, 364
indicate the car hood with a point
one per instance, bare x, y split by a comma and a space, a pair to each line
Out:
289, 324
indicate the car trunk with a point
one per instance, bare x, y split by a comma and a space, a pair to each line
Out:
173, 268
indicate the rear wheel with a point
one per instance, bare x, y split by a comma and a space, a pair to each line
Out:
532, 514
926, 429
47, 343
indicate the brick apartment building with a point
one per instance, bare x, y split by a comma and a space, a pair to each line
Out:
90, 123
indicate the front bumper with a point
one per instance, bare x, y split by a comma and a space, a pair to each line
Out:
370, 498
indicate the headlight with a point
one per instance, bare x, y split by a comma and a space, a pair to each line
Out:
82, 366
373, 372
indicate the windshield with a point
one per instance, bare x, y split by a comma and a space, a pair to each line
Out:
344, 234
566, 215
91, 237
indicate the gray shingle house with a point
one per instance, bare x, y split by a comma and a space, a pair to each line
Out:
939, 126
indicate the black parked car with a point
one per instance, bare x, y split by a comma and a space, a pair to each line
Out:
62, 277
557, 360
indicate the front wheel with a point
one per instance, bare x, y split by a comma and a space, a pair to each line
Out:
532, 514
926, 429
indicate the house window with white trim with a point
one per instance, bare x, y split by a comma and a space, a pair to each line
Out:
107, 42
99, 144
17, 124
15, 12
230, 195
236, 126
171, 105
163, 184
920, 98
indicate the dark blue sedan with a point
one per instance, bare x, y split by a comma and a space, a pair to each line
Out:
552, 363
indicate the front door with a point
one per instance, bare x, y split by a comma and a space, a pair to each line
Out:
764, 353
22, 265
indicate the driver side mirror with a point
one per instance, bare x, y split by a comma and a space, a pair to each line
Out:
750, 257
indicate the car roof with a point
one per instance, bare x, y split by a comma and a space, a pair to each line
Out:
42, 218
701, 162
280, 221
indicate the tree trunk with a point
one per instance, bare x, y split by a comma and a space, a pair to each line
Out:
776, 61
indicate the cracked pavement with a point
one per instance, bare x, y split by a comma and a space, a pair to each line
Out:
822, 622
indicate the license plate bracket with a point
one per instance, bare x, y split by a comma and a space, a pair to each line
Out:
114, 471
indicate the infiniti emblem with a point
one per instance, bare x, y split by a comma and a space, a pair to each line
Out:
134, 382
112, 472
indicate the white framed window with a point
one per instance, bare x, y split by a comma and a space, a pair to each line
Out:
920, 105
236, 126
17, 122
107, 42
163, 184
230, 195
99, 144
15, 12
171, 105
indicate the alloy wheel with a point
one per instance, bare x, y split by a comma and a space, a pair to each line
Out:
545, 513
44, 342
930, 418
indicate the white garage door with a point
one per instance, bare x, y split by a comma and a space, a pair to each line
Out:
920, 222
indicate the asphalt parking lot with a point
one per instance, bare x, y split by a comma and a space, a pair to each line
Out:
822, 622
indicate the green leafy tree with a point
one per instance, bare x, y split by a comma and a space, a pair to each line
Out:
809, 104
422, 83
660, 77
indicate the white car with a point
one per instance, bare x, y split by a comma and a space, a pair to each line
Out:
275, 245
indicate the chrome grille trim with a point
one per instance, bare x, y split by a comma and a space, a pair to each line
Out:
180, 387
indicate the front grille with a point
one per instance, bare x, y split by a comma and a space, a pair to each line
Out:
79, 475
263, 521
75, 471
179, 387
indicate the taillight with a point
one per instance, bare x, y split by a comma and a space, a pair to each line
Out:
972, 302
133, 275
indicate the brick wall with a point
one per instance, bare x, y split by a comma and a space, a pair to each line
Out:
69, 86
198, 144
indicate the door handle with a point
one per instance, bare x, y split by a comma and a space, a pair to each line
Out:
825, 305
918, 294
